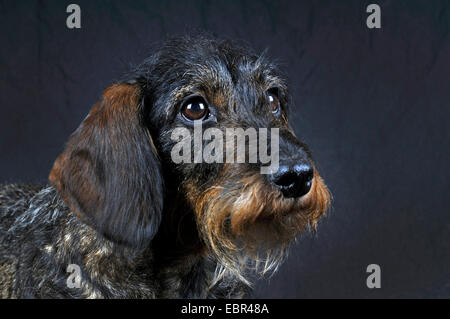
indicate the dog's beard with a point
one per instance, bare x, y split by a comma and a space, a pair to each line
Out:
248, 224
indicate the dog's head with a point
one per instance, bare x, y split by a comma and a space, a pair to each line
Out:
111, 173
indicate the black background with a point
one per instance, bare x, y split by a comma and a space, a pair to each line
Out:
372, 104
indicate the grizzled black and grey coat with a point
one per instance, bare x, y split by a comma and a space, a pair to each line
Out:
138, 225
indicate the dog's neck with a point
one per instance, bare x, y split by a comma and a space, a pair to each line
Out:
186, 267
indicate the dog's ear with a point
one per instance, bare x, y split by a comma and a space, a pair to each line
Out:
109, 174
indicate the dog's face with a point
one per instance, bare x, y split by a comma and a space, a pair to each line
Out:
112, 172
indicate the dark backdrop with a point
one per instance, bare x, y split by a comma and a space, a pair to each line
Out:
372, 104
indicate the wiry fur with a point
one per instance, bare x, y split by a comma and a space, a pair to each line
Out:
141, 226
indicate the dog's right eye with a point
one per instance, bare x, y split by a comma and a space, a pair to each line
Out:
195, 108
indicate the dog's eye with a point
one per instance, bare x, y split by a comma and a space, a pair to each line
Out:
195, 109
274, 102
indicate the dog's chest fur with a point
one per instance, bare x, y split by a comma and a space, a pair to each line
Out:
40, 237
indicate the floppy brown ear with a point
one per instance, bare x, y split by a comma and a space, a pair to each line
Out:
109, 174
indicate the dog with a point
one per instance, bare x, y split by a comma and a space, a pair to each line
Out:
121, 219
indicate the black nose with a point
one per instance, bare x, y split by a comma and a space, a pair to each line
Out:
294, 181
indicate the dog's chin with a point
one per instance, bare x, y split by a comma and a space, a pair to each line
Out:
250, 220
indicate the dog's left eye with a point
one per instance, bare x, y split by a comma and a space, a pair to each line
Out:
274, 102
195, 108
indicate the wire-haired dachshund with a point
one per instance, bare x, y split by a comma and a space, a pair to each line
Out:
121, 219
